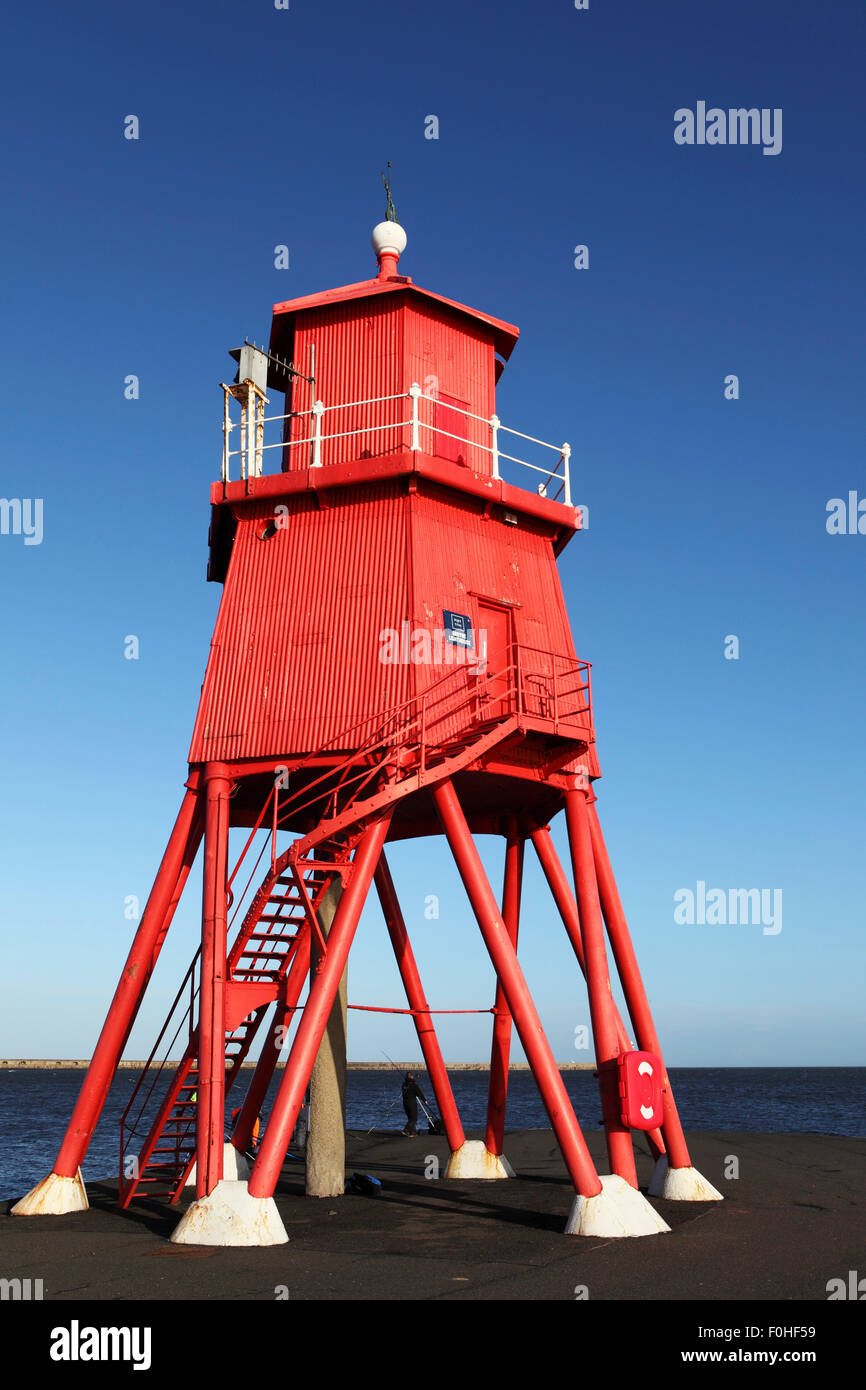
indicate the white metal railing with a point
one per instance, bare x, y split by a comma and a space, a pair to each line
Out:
252, 445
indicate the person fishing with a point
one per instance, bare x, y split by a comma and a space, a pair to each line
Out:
411, 1095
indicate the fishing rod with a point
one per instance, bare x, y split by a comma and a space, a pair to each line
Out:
387, 1116
252, 1152
393, 1102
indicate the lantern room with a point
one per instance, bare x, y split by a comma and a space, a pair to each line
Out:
360, 348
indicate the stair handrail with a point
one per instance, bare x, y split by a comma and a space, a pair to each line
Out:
423, 704
187, 980
375, 740
513, 677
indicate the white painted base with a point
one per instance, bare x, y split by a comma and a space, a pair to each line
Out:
235, 1167
681, 1184
53, 1196
474, 1160
230, 1216
618, 1210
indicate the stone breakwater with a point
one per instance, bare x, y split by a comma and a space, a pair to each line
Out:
76, 1064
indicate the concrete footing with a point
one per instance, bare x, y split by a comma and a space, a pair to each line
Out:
235, 1166
681, 1184
618, 1210
474, 1160
230, 1216
53, 1196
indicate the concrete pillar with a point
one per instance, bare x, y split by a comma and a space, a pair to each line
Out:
326, 1141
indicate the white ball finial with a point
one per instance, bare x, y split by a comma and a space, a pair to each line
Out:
388, 239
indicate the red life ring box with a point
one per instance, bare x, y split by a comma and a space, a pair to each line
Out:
641, 1087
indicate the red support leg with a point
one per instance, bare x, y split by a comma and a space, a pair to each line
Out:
601, 1005
210, 1107
501, 1047
266, 1065
523, 1011
155, 921
564, 899
266, 1169
633, 988
417, 1000
562, 894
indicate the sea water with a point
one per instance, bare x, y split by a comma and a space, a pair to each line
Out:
35, 1106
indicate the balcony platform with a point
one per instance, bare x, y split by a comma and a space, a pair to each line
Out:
404, 463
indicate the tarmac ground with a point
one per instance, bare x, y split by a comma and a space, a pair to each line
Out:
794, 1219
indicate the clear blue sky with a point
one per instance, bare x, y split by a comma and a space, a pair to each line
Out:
707, 516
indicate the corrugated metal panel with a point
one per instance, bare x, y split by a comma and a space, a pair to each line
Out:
504, 335
459, 557
295, 655
375, 349
358, 358
442, 354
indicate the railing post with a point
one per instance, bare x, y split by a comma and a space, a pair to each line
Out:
414, 392
518, 682
494, 447
566, 455
252, 411
423, 733
261, 402
227, 428
318, 412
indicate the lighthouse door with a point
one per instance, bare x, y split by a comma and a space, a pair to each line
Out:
495, 650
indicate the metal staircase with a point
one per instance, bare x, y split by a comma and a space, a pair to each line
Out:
258, 965
415, 746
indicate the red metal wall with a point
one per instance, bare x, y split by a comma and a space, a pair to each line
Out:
359, 347
445, 353
295, 656
370, 348
461, 557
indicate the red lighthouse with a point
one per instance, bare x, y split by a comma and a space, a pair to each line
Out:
392, 659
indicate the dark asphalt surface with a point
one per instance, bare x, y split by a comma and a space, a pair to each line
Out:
794, 1219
